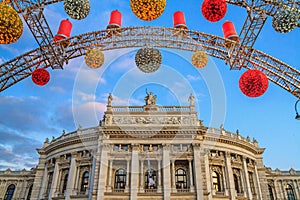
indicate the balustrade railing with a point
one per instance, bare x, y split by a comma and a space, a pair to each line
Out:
142, 108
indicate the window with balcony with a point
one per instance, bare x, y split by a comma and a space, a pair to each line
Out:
180, 179
290, 192
150, 179
216, 181
65, 183
10, 192
85, 182
120, 179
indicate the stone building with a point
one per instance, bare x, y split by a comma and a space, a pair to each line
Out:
150, 152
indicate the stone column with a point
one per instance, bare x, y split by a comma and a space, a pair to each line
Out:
280, 194
166, 172
257, 182
245, 170
284, 195
296, 189
40, 180
109, 188
229, 173
226, 188
134, 172
191, 176
142, 176
54, 181
127, 177
76, 187
207, 174
173, 177
198, 172
71, 176
103, 171
158, 176
92, 179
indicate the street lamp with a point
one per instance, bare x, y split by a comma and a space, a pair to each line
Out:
297, 114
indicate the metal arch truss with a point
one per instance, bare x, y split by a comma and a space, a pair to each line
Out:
33, 16
277, 71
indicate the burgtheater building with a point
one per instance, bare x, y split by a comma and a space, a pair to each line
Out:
150, 152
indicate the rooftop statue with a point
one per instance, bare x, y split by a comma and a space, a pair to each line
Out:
150, 99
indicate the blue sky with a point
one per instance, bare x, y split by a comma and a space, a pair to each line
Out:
78, 94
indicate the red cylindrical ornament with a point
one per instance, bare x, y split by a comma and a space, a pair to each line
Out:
179, 20
229, 33
40, 76
253, 83
115, 20
64, 30
214, 10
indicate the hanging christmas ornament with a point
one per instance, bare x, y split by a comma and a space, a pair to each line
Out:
199, 59
11, 26
285, 21
94, 58
214, 10
148, 59
40, 76
77, 9
253, 83
147, 9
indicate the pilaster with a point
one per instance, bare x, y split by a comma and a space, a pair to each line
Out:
142, 176
198, 172
296, 189
54, 180
191, 176
158, 176
245, 170
207, 173
103, 171
40, 178
72, 176
229, 173
134, 171
166, 172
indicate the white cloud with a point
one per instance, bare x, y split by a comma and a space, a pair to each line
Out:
193, 78
88, 114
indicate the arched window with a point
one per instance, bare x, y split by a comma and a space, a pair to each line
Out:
65, 183
290, 192
85, 181
216, 180
120, 179
236, 183
29, 193
180, 178
150, 179
271, 192
10, 192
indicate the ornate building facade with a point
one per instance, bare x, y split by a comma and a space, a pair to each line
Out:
150, 152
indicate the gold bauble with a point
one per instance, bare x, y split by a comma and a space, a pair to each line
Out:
11, 25
199, 59
148, 9
94, 58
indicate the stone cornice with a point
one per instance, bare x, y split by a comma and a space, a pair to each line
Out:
234, 142
76, 139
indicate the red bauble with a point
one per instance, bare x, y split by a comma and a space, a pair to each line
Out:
40, 76
214, 10
253, 83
